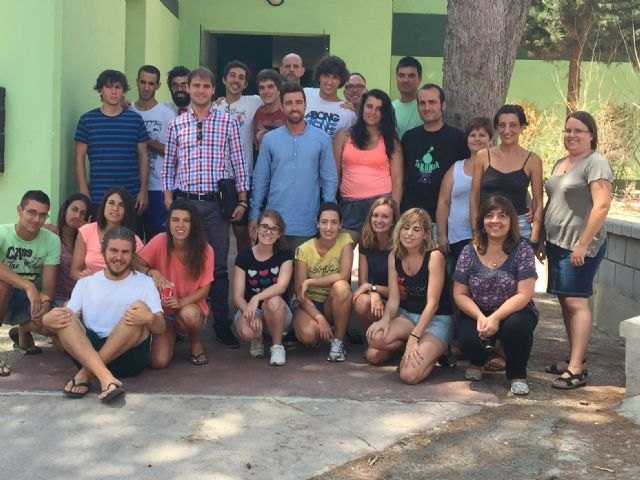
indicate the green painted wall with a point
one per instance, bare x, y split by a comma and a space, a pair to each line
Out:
27, 56
366, 48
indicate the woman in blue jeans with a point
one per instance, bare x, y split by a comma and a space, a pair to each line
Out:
494, 283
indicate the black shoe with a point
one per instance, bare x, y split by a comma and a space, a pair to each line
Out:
227, 338
290, 340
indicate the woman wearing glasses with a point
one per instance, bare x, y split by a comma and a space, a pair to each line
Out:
579, 192
260, 280
369, 160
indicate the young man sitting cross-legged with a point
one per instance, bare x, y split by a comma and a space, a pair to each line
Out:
120, 309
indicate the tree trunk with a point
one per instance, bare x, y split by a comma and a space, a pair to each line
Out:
573, 88
479, 53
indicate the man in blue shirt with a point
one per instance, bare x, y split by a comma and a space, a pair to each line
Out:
295, 168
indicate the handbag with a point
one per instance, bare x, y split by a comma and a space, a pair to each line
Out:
227, 196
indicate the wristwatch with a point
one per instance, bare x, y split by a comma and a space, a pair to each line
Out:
374, 288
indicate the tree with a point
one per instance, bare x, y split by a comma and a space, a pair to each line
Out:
574, 28
479, 54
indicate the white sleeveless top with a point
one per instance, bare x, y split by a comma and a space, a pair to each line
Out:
458, 225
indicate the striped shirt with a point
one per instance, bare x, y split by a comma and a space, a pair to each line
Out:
112, 148
198, 154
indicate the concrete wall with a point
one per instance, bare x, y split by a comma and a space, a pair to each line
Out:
617, 284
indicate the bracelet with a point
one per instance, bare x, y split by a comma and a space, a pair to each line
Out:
414, 336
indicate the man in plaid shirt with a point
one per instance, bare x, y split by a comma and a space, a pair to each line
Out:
203, 147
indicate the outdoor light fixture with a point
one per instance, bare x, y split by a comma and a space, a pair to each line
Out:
275, 3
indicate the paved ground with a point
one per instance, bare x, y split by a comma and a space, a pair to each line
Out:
238, 418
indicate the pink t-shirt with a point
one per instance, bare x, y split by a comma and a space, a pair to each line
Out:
365, 173
93, 259
155, 254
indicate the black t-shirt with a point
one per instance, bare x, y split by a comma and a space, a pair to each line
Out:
427, 157
259, 276
377, 265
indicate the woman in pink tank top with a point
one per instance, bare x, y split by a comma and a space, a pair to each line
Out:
369, 160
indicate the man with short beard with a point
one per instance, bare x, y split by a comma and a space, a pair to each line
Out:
177, 81
291, 67
120, 310
294, 166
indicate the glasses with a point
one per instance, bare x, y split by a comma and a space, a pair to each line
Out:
31, 213
199, 136
350, 86
264, 228
576, 131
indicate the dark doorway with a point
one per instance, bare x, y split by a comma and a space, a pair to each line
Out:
258, 52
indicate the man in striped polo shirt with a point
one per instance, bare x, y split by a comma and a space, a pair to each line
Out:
115, 140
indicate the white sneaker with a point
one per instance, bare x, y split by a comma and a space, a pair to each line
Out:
278, 355
257, 347
337, 352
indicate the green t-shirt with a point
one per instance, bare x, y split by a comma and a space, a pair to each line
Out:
318, 266
26, 258
407, 116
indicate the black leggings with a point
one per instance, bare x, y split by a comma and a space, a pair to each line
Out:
515, 333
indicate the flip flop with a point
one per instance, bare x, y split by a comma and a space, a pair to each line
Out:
69, 393
497, 363
199, 359
113, 394
4, 369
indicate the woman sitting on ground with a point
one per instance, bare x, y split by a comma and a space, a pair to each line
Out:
116, 209
373, 274
369, 160
419, 310
493, 287
323, 291
260, 281
181, 265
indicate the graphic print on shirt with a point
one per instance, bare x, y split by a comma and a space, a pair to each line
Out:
426, 166
262, 279
410, 291
240, 115
326, 121
20, 259
154, 127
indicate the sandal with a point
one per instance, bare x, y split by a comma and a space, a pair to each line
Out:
30, 349
113, 394
557, 371
473, 374
497, 363
574, 380
4, 369
199, 359
519, 388
71, 394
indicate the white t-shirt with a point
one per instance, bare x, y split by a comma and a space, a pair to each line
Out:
156, 120
244, 110
103, 302
328, 116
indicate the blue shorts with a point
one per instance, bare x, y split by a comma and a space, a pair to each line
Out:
287, 319
154, 218
440, 326
566, 280
354, 211
18, 308
525, 227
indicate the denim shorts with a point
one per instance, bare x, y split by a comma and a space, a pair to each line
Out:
567, 280
440, 326
287, 319
525, 227
18, 309
354, 211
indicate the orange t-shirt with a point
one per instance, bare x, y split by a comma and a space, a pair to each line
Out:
155, 254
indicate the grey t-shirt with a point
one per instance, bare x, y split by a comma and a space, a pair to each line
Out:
570, 202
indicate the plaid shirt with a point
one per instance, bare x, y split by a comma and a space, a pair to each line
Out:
198, 154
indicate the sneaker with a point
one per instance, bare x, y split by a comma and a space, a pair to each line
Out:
337, 352
227, 338
278, 355
473, 374
257, 347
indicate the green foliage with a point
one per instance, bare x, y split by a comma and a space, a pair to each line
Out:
606, 30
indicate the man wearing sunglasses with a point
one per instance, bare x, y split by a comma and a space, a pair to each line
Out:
29, 258
203, 147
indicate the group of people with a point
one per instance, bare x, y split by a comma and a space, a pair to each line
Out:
446, 229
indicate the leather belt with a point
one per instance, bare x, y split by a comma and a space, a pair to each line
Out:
201, 197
